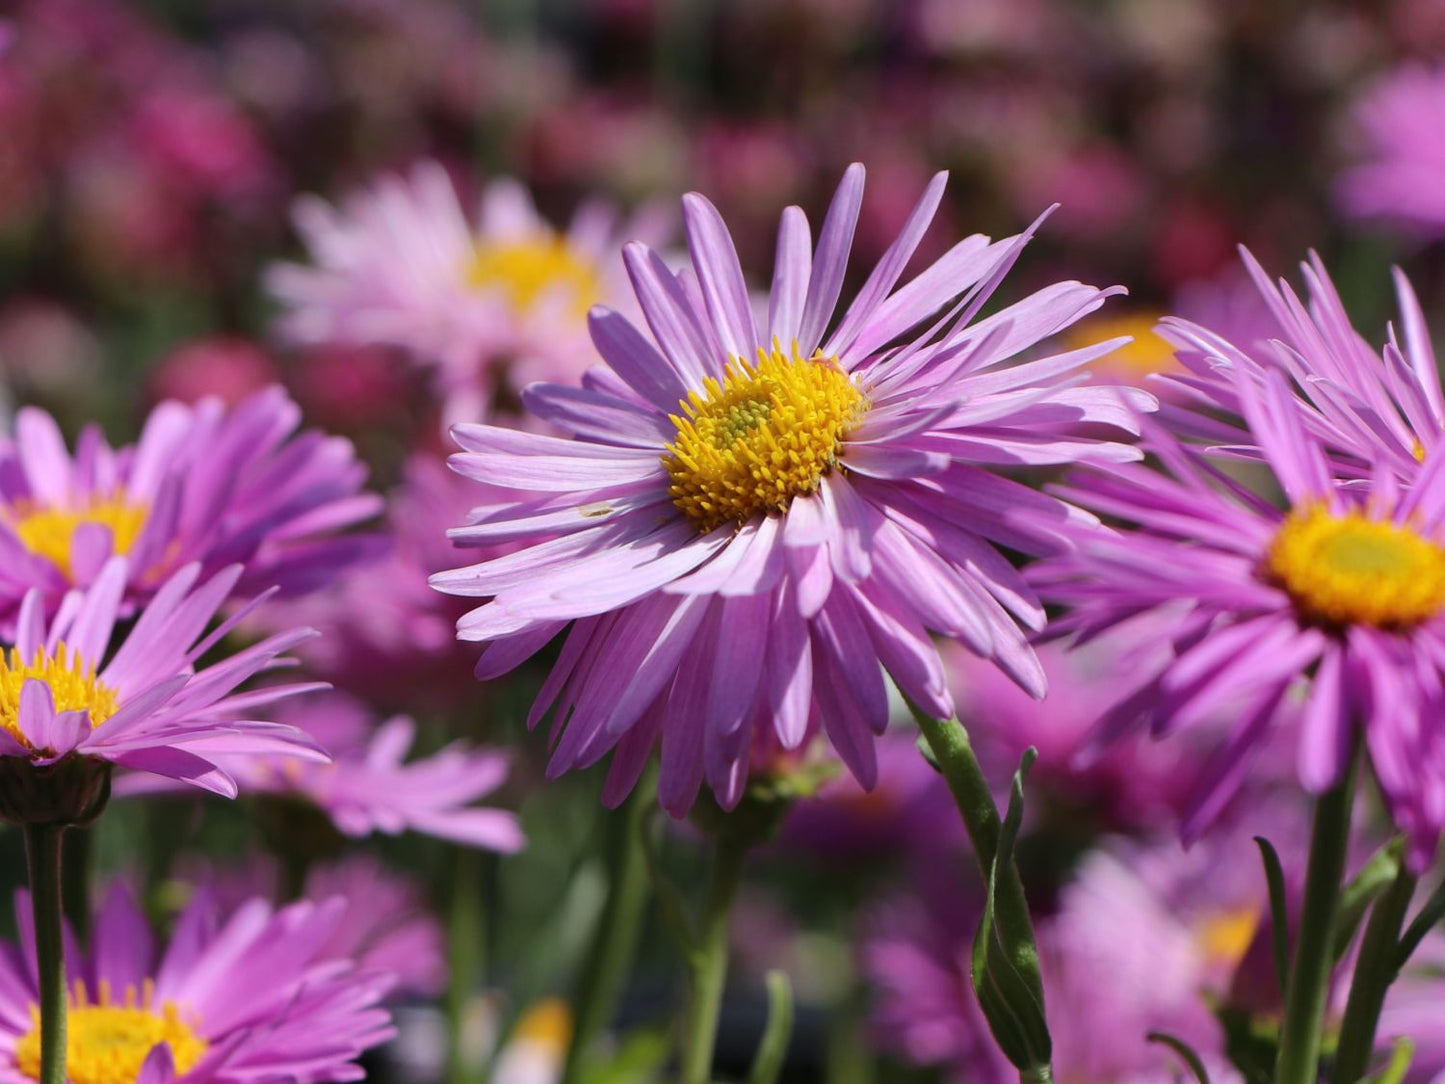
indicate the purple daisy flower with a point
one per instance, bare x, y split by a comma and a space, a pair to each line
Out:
402, 264
369, 786
1401, 151
1346, 585
204, 484
234, 1001
67, 700
751, 514
1367, 407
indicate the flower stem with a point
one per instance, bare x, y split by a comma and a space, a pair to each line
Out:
465, 961
1300, 1035
42, 852
1375, 970
708, 960
615, 938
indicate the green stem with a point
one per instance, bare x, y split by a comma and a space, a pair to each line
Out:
1375, 970
42, 851
708, 960
615, 939
464, 940
1040, 1074
954, 753
77, 860
1303, 1027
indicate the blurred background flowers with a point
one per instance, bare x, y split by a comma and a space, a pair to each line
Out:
400, 211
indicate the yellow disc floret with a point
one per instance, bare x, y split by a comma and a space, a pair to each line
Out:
1146, 354
527, 270
48, 530
764, 434
72, 681
107, 1041
1224, 937
1352, 570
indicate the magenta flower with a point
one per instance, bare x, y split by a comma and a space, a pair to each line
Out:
1400, 151
402, 264
1368, 408
749, 516
1346, 585
66, 699
203, 485
248, 998
369, 786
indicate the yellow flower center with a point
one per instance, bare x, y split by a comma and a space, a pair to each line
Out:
547, 1024
48, 531
1224, 938
1350, 570
1148, 353
525, 271
764, 434
107, 1042
72, 681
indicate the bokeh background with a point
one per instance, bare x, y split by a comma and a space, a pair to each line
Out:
150, 158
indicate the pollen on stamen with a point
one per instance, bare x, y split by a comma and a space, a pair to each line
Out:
49, 530
73, 686
764, 434
108, 1039
1342, 570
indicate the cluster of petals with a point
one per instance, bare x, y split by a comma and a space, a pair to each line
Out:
697, 639
170, 716
368, 785
1368, 408
1193, 548
252, 986
204, 484
394, 265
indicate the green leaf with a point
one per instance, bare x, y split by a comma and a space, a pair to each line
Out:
1278, 909
1005, 963
1429, 916
1185, 1052
1376, 876
773, 1049
1401, 1055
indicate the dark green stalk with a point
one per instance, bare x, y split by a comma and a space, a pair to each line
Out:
1375, 970
615, 939
708, 960
464, 940
1304, 1011
42, 852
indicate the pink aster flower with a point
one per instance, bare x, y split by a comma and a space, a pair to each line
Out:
1341, 592
70, 697
204, 485
247, 998
749, 515
1367, 407
370, 786
1400, 149
403, 264
387, 924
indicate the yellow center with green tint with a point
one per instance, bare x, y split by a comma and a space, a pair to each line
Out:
72, 681
1350, 570
48, 531
525, 271
107, 1041
764, 434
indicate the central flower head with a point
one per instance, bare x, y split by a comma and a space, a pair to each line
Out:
1224, 937
107, 1042
526, 270
764, 434
49, 530
1351, 570
72, 681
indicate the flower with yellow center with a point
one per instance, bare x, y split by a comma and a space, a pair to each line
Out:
1224, 937
527, 270
72, 681
762, 435
107, 1041
1351, 570
49, 530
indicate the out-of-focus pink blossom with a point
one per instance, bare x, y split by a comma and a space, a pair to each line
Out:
226, 367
